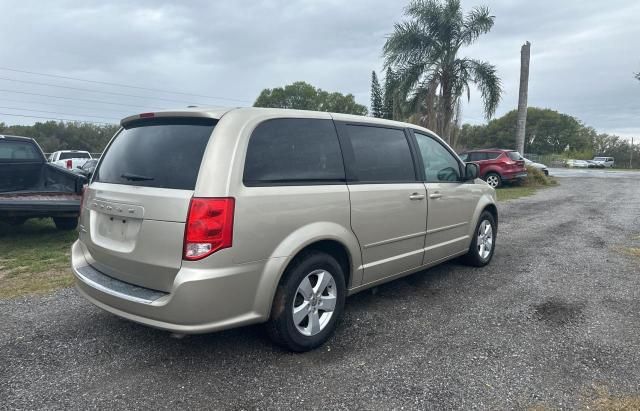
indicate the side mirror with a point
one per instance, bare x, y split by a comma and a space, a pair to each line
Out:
471, 171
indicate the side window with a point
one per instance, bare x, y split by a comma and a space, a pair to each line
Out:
293, 151
439, 164
380, 154
464, 157
493, 155
478, 156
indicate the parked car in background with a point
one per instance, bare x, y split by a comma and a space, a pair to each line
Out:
577, 163
69, 159
231, 217
539, 166
32, 188
497, 166
87, 168
593, 164
605, 161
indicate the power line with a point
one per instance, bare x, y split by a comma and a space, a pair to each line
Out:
110, 110
113, 93
122, 85
58, 119
57, 112
78, 99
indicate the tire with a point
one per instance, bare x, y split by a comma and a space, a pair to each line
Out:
65, 223
312, 327
493, 179
477, 256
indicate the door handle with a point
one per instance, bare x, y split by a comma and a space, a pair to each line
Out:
416, 196
435, 196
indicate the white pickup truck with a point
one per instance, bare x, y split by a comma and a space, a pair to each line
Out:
69, 159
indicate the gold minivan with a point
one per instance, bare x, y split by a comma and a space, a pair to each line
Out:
200, 220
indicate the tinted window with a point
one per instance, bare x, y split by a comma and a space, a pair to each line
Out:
294, 151
514, 155
18, 150
162, 153
380, 154
65, 156
439, 164
493, 155
477, 156
464, 156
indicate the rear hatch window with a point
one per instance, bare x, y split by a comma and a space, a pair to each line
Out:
160, 152
514, 155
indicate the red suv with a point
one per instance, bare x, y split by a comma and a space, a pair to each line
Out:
497, 165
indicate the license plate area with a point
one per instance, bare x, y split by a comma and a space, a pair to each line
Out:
115, 226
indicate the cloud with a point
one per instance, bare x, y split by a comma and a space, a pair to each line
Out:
583, 54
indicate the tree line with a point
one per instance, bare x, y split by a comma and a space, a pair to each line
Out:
53, 136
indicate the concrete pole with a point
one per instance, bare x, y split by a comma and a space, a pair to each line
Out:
525, 56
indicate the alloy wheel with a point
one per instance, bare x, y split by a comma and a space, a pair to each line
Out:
314, 302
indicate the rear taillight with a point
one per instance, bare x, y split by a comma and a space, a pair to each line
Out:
84, 194
209, 227
69, 164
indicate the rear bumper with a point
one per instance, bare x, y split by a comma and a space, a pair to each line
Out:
514, 176
199, 301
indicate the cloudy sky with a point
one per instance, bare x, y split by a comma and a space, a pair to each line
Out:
584, 54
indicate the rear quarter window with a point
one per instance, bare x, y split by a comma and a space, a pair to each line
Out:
293, 152
162, 152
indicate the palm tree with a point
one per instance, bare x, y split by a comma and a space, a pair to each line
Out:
423, 52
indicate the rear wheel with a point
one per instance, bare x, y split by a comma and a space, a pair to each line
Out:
484, 240
65, 223
309, 302
493, 179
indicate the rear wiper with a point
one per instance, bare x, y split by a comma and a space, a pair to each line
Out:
135, 177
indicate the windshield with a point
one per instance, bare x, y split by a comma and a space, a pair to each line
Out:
164, 153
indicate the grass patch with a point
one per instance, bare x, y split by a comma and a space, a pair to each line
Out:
604, 401
513, 192
34, 258
632, 251
535, 180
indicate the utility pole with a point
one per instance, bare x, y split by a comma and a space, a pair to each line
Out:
631, 154
525, 56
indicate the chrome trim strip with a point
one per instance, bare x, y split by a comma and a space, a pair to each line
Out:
448, 227
393, 240
455, 240
386, 260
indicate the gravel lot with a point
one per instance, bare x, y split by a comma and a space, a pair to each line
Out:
554, 321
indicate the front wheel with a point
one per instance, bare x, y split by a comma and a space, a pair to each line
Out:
309, 302
65, 223
493, 179
484, 240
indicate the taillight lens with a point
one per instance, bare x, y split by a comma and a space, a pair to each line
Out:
84, 195
69, 164
209, 227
